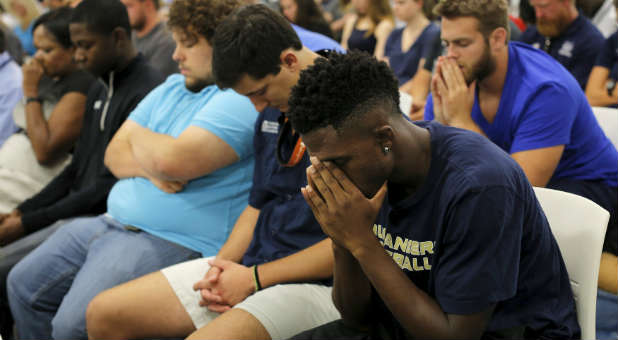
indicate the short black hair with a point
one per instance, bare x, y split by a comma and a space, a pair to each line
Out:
250, 41
57, 23
339, 88
102, 16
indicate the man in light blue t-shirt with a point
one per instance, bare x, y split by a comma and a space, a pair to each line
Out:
184, 158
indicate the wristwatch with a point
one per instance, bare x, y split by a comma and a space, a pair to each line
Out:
33, 99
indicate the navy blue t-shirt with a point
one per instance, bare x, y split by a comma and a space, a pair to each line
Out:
286, 224
576, 49
608, 58
542, 106
474, 235
405, 63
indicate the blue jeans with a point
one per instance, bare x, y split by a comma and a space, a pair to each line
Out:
49, 290
607, 315
10, 255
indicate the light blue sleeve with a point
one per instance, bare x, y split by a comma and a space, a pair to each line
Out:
142, 112
230, 117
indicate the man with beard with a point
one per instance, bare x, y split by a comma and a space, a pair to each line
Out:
525, 102
184, 160
150, 36
566, 35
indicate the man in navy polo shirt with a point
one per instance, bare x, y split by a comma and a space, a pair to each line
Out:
271, 277
566, 35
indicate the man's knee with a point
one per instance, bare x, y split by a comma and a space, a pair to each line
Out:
14, 282
69, 323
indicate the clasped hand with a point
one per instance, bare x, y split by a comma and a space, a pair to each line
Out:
225, 284
11, 227
453, 99
344, 213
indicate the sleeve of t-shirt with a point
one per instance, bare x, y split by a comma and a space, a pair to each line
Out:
607, 57
480, 251
230, 117
142, 112
585, 57
546, 121
428, 114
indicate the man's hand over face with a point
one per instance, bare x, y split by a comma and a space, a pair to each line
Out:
344, 213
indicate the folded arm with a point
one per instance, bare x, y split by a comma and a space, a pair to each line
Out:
596, 90
136, 151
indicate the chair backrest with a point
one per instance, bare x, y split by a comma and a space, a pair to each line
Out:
608, 119
579, 225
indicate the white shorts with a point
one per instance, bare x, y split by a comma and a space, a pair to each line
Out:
284, 310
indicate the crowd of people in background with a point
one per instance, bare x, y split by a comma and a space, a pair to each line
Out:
235, 169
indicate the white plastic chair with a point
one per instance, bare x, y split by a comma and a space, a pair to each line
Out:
608, 119
579, 225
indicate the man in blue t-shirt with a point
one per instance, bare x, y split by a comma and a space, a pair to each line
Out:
184, 162
566, 35
526, 103
459, 248
271, 277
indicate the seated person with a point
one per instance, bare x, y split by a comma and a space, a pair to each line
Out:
601, 13
528, 105
82, 187
306, 14
12, 44
25, 13
150, 35
10, 90
184, 162
566, 35
459, 248
51, 115
602, 87
368, 28
408, 48
270, 278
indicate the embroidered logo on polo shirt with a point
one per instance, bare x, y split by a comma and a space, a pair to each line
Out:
566, 49
270, 126
97, 104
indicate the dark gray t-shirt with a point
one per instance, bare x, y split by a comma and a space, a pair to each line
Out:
158, 46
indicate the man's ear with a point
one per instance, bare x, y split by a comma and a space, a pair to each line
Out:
289, 59
384, 135
120, 36
498, 38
